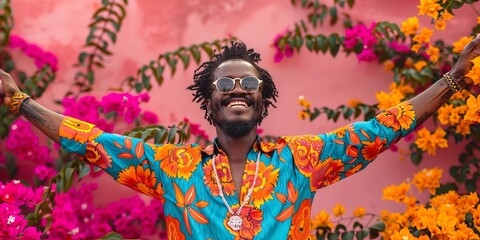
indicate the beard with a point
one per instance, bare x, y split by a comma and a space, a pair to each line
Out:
237, 128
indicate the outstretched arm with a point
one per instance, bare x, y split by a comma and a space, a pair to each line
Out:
46, 120
427, 102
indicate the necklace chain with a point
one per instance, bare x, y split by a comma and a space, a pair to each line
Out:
249, 193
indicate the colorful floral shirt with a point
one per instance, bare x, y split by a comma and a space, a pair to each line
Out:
290, 172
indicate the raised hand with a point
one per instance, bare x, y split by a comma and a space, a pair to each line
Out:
464, 64
7, 87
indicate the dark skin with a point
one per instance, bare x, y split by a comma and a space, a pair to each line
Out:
237, 148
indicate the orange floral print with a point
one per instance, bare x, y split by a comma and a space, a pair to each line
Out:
398, 117
142, 180
305, 149
97, 155
264, 185
224, 174
77, 130
371, 149
251, 225
178, 161
300, 228
173, 229
326, 173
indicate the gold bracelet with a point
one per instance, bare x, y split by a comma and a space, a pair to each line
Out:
451, 82
17, 99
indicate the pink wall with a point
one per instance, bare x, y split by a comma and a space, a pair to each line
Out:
153, 27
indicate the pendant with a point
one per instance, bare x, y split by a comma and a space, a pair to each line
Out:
235, 222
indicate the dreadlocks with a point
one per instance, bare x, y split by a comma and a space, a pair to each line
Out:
203, 75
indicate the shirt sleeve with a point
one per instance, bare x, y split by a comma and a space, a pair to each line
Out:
330, 157
130, 161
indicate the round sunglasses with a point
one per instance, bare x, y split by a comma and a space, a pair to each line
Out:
226, 84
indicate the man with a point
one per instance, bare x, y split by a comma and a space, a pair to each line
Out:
239, 187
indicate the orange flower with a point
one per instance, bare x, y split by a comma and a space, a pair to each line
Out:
473, 112
266, 182
428, 179
420, 65
429, 142
410, 26
338, 210
303, 115
322, 219
398, 117
359, 212
396, 193
300, 228
423, 36
142, 180
461, 43
430, 8
388, 65
97, 155
178, 161
440, 24
303, 102
434, 53
172, 226
353, 102
224, 174
251, 225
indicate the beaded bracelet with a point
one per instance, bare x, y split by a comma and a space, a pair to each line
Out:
451, 82
17, 99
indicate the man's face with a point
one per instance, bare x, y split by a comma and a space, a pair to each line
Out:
236, 112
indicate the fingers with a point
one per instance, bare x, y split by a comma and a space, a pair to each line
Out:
8, 85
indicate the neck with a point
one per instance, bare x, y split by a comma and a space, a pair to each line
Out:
236, 148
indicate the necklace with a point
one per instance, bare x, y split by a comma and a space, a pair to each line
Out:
235, 221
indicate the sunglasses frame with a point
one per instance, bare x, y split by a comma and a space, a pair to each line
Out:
235, 83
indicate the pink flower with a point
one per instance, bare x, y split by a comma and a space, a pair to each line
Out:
279, 54
149, 117
44, 173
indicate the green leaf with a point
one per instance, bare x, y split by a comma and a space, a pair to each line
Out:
322, 43
348, 235
195, 54
379, 226
456, 4
333, 15
171, 134
334, 40
350, 3
146, 82
362, 234
471, 185
112, 236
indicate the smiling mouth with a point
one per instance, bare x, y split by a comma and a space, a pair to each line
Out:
237, 104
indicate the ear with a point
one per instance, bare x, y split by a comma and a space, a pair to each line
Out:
208, 105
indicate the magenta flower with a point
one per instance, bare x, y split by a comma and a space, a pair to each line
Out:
150, 117
279, 54
40, 56
361, 32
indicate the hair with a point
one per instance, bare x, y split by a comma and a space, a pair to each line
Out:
203, 75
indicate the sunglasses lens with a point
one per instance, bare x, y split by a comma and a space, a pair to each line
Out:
250, 84
225, 85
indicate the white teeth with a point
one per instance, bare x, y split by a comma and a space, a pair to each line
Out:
237, 104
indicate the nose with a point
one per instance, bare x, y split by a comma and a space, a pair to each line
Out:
237, 88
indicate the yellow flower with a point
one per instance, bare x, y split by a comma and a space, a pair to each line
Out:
428, 179
303, 115
303, 102
430, 8
434, 53
359, 212
388, 65
322, 219
473, 112
440, 25
353, 102
338, 210
429, 142
474, 73
386, 100
420, 65
410, 26
463, 127
461, 43
396, 193
423, 36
